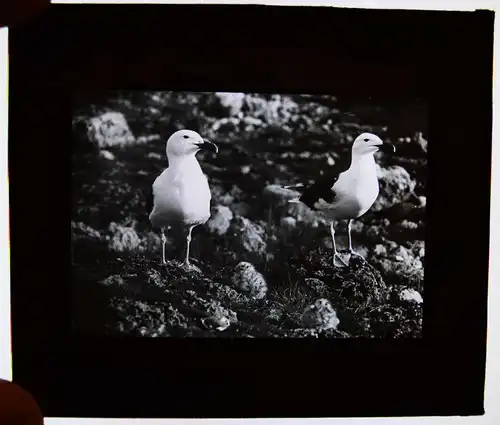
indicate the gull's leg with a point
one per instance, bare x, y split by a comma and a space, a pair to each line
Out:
188, 243
187, 265
163, 241
335, 253
350, 241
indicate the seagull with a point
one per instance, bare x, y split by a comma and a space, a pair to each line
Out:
180, 195
347, 193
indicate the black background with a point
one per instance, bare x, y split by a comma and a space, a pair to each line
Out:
444, 57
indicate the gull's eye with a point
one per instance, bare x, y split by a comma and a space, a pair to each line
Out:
365, 140
186, 137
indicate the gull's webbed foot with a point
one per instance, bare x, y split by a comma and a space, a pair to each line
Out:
336, 255
353, 253
189, 267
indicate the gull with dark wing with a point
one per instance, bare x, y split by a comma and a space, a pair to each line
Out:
347, 193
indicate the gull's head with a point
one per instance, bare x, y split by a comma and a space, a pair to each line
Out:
188, 142
368, 143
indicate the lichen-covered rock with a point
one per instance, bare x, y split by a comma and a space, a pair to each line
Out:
411, 295
123, 238
151, 242
232, 101
217, 322
227, 198
320, 315
278, 110
396, 185
380, 249
402, 262
248, 280
249, 236
408, 225
288, 223
107, 155
220, 220
417, 248
110, 129
114, 281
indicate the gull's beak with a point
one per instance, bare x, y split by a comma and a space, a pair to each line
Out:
209, 146
387, 147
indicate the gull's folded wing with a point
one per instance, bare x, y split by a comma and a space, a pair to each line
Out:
322, 189
149, 199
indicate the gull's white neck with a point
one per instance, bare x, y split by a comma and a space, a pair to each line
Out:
176, 162
364, 161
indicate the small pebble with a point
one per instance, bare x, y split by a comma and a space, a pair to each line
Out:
380, 249
219, 323
245, 169
288, 222
411, 295
107, 155
154, 155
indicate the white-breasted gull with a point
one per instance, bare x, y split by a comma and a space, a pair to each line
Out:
347, 193
180, 194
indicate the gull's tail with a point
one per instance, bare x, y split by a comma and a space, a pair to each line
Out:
294, 186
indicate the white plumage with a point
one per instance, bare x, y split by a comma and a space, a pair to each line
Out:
181, 195
355, 191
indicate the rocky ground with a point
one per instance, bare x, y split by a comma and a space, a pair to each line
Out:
266, 265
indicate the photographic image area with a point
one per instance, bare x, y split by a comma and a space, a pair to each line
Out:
215, 214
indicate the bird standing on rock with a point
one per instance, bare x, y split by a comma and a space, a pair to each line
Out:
181, 195
347, 194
